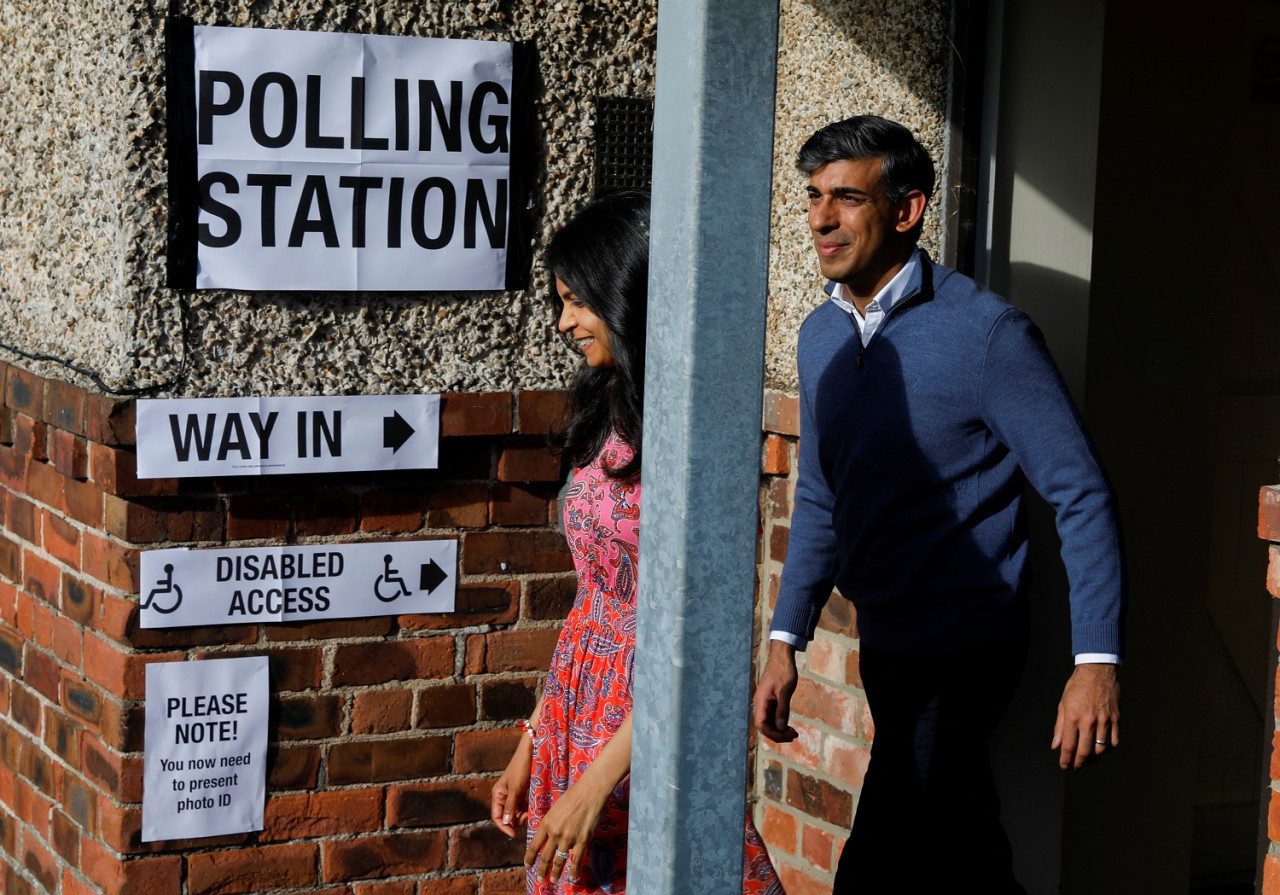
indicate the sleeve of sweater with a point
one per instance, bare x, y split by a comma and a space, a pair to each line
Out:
1026, 404
809, 569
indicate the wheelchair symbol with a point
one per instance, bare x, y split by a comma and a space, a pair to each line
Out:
390, 576
164, 587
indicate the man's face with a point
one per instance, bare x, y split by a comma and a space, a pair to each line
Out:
857, 234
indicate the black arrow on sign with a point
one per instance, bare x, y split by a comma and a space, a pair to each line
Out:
395, 431
432, 576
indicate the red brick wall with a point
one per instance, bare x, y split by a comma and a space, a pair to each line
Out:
1269, 530
808, 789
384, 732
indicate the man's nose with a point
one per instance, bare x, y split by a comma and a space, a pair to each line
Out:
821, 217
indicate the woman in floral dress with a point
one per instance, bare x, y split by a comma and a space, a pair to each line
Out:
569, 779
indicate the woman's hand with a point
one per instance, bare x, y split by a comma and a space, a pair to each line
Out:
567, 828
509, 798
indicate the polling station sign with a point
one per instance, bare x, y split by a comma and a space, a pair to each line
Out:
340, 162
204, 764
187, 437
251, 585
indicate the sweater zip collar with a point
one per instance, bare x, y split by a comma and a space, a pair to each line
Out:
915, 287
895, 293
909, 298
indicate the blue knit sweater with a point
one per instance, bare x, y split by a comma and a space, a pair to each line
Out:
914, 451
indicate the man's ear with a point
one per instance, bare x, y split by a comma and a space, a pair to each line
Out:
910, 211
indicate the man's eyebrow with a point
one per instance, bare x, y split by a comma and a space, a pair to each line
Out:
839, 192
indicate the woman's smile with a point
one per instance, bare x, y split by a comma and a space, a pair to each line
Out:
584, 327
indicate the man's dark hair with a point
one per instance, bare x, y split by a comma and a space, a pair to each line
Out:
904, 163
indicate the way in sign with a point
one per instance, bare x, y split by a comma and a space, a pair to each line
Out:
320, 431
234, 436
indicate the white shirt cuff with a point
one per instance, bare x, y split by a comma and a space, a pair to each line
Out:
801, 643
796, 641
1097, 659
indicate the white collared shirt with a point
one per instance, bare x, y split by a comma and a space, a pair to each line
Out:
893, 292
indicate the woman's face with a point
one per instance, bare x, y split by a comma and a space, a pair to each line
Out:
586, 329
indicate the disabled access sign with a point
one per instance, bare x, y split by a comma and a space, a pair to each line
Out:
251, 585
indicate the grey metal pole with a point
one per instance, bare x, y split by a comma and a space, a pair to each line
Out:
713, 152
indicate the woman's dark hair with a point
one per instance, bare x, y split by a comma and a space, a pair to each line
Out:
602, 255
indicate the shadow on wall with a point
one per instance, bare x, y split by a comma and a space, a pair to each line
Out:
1058, 303
897, 50
1051, 65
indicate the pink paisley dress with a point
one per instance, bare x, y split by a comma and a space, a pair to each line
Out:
588, 690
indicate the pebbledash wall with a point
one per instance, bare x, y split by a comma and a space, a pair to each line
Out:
385, 733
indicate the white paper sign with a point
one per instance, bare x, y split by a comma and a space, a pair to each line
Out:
184, 437
252, 585
351, 161
204, 769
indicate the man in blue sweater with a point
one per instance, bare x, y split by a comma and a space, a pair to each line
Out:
926, 404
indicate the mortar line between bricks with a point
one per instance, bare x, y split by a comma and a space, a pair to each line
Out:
840, 782
822, 728
75, 772
816, 822
834, 684
798, 863
21, 872
838, 639
821, 776
460, 655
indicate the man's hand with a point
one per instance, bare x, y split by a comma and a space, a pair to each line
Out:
1088, 715
772, 701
